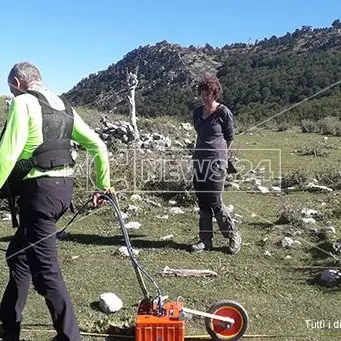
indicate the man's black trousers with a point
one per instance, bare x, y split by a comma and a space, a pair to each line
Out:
32, 256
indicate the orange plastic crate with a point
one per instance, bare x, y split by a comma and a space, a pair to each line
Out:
166, 328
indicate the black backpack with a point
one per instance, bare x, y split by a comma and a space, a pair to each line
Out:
55, 151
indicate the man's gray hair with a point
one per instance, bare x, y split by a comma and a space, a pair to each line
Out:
25, 72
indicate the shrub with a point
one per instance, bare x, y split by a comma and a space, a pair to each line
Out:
283, 126
297, 178
316, 150
308, 126
329, 126
288, 214
330, 177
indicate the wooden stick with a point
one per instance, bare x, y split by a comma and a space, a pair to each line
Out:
167, 271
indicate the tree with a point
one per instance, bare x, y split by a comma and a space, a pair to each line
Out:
336, 23
132, 82
266, 93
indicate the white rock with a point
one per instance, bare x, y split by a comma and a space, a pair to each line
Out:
133, 208
276, 188
110, 303
325, 230
123, 250
230, 209
136, 197
163, 217
323, 204
308, 212
308, 220
133, 225
288, 257
157, 136
153, 203
104, 136
168, 237
235, 186
287, 242
337, 246
176, 210
74, 155
6, 216
263, 189
124, 215
257, 182
253, 215
178, 144
111, 125
196, 209
172, 202
267, 253
314, 187
186, 126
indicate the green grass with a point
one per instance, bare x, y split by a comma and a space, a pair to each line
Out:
277, 292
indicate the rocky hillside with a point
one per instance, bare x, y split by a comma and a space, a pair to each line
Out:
268, 74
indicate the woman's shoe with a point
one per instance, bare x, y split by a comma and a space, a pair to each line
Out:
235, 243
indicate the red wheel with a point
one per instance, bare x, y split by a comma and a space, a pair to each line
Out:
221, 330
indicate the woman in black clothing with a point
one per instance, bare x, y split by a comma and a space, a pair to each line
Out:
213, 123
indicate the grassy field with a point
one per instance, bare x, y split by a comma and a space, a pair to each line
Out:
277, 291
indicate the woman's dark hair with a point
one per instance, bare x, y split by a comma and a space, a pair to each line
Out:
210, 84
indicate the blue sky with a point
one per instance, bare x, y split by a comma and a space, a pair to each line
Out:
68, 40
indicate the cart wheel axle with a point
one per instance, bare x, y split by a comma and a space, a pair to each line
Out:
225, 331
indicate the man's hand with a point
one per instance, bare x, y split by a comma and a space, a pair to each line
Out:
97, 198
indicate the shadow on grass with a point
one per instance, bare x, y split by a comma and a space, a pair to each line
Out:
261, 225
121, 333
312, 277
95, 306
223, 249
333, 286
36, 325
92, 239
323, 250
6, 239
